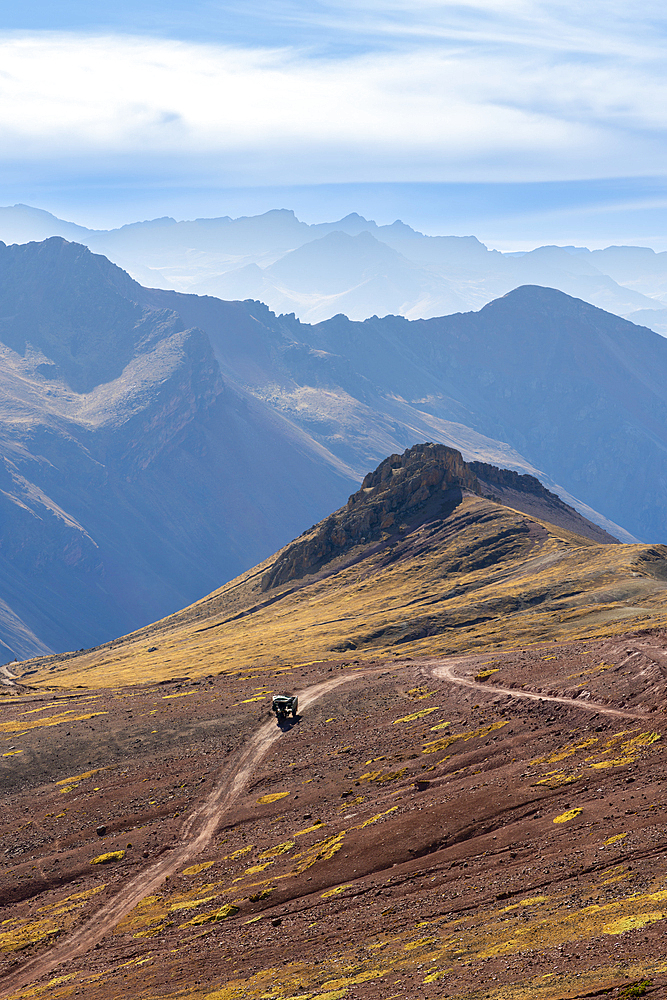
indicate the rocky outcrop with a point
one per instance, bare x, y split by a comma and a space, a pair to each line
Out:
423, 484
424, 480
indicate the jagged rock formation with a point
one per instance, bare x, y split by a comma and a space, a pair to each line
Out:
423, 484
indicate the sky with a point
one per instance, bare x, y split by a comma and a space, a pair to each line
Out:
518, 120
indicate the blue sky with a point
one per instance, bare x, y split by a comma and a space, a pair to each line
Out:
514, 119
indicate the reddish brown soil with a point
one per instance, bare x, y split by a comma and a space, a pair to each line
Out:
451, 877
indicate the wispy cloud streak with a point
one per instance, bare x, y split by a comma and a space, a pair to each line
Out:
517, 89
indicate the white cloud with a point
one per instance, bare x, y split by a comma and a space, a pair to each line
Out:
503, 107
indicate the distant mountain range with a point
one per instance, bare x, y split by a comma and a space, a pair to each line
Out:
354, 266
154, 444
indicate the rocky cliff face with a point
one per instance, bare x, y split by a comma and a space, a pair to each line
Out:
403, 487
423, 484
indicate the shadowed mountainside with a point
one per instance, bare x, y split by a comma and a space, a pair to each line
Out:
155, 444
133, 475
535, 381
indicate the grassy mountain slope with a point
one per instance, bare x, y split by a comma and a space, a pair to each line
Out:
419, 562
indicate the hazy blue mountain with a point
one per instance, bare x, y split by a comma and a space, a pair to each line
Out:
555, 384
134, 477
654, 319
353, 265
21, 224
636, 267
353, 274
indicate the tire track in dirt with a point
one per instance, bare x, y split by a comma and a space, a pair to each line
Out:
197, 832
7, 677
444, 671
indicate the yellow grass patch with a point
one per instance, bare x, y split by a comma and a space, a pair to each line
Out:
435, 746
335, 892
383, 776
229, 910
374, 819
28, 933
190, 904
567, 751
567, 816
196, 869
240, 853
421, 943
556, 780
633, 922
417, 715
272, 797
310, 829
51, 720
273, 852
82, 777
440, 725
72, 902
257, 868
104, 859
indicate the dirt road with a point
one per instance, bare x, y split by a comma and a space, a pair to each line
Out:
195, 835
7, 677
445, 672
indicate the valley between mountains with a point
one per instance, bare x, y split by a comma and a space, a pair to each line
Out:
471, 802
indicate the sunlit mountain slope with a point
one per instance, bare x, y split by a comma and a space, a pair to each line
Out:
431, 556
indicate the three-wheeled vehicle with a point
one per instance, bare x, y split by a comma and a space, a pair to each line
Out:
283, 704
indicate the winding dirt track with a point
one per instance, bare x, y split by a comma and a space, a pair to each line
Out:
202, 824
8, 678
444, 671
196, 833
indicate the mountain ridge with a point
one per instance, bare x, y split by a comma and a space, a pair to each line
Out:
433, 275
385, 380
116, 497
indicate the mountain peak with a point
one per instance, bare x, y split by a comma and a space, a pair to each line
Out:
424, 484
